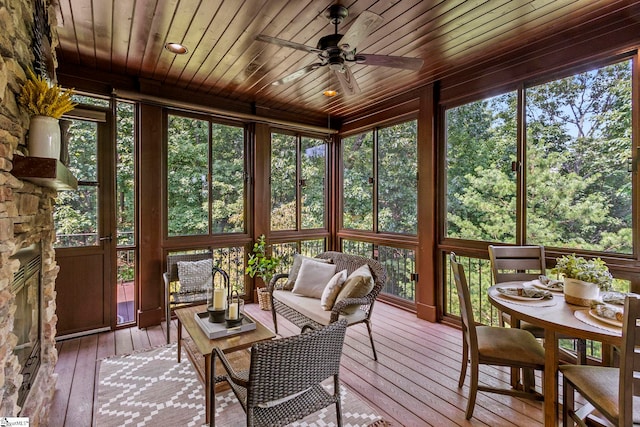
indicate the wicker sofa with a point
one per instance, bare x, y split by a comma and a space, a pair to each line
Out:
302, 310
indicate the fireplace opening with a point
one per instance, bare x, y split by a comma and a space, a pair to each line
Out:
27, 324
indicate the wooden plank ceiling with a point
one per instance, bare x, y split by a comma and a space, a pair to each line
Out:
127, 37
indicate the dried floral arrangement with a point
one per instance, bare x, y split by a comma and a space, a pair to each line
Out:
42, 99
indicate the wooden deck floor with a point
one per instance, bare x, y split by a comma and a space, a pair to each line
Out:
414, 383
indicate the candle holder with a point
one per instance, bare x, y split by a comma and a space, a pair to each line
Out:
217, 297
235, 310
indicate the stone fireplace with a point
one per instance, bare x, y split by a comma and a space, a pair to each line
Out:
27, 320
26, 222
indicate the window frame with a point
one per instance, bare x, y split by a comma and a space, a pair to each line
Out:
623, 266
211, 120
298, 231
374, 128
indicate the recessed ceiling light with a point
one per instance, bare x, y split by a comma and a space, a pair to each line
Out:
330, 93
176, 48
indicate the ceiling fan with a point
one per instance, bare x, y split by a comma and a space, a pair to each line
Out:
337, 50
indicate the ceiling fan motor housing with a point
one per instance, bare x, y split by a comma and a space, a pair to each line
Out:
336, 13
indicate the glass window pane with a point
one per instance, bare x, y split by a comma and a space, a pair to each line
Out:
76, 217
90, 100
313, 175
76, 212
397, 178
481, 188
83, 150
228, 184
187, 171
283, 182
579, 193
357, 194
125, 169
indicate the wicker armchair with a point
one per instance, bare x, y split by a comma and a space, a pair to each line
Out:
301, 317
283, 383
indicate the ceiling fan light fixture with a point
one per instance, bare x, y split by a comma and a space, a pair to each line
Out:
177, 48
330, 93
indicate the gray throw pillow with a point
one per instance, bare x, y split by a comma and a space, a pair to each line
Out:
195, 275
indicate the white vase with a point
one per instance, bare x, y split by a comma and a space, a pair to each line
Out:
44, 137
579, 292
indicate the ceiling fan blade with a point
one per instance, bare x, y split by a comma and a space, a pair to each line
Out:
297, 75
287, 43
347, 81
391, 61
364, 24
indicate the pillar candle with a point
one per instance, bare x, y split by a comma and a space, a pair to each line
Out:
218, 299
233, 311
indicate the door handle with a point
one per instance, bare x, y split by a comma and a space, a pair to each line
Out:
106, 238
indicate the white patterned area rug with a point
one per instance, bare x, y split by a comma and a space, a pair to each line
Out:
150, 388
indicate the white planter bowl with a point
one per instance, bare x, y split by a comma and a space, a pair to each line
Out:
580, 293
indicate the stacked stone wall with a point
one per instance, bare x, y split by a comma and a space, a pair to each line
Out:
26, 217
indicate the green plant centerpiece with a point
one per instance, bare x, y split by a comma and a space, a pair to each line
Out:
583, 279
260, 263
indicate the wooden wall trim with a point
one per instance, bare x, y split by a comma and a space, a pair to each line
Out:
427, 288
150, 228
397, 107
90, 80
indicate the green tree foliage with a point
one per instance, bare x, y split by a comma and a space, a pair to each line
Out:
192, 202
76, 212
397, 178
313, 172
357, 192
125, 173
578, 191
283, 181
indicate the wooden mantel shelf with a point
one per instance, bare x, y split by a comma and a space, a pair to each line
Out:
44, 172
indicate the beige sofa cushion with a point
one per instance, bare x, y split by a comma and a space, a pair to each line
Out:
310, 307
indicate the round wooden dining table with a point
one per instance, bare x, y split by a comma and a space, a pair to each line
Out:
557, 317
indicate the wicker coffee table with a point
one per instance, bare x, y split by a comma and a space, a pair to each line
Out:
199, 349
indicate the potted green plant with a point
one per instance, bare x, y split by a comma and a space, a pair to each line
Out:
264, 266
45, 104
583, 279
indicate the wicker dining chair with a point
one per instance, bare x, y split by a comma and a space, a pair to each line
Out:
488, 345
283, 383
519, 263
614, 392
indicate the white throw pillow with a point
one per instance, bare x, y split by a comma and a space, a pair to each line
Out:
332, 290
312, 278
195, 275
295, 269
